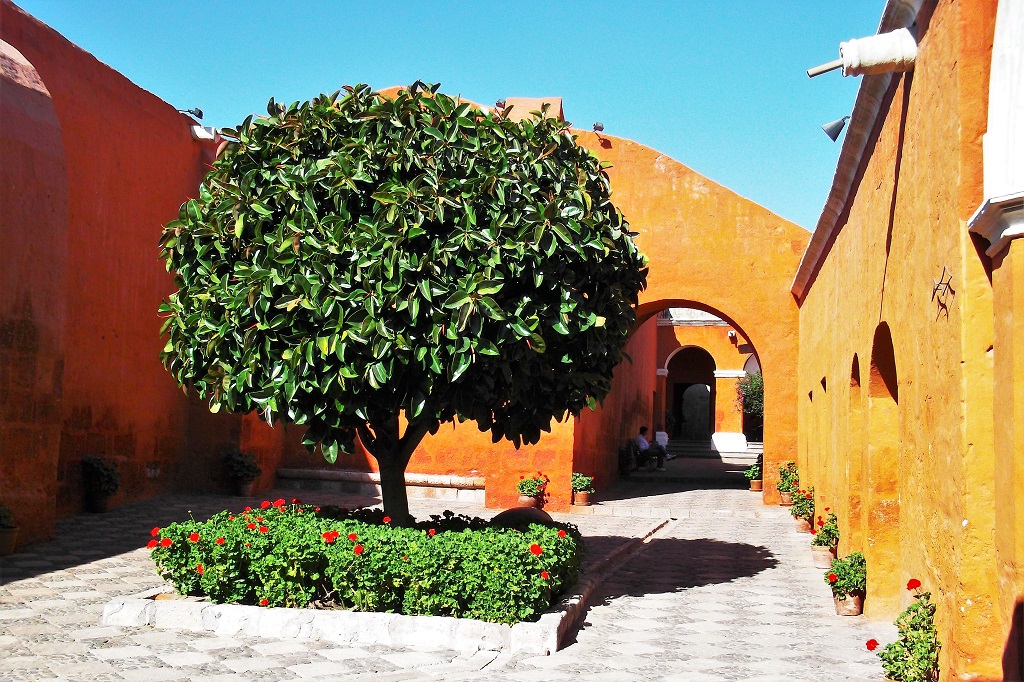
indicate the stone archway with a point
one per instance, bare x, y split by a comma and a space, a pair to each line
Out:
712, 250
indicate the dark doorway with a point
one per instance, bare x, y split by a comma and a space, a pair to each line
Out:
692, 411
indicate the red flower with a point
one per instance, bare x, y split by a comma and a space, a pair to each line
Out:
199, 569
248, 509
913, 584
251, 526
358, 549
317, 509
386, 519
561, 533
353, 537
820, 522
248, 544
152, 544
330, 536
808, 496
872, 644
279, 502
432, 532
259, 519
220, 541
832, 577
828, 509
296, 500
263, 602
405, 558
166, 542
264, 529
194, 537
265, 504
536, 549
154, 532
231, 518
814, 531
545, 575
522, 477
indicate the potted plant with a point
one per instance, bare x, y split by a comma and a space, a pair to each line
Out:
8, 531
789, 480
914, 656
825, 541
531, 490
848, 578
102, 480
753, 474
803, 509
242, 470
582, 488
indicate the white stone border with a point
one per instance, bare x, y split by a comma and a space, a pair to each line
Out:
542, 637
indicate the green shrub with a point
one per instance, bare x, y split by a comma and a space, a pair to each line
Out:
803, 504
753, 472
826, 534
100, 475
789, 477
296, 555
532, 487
848, 575
914, 656
582, 483
241, 466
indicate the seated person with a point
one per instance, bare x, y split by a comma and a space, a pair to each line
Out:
644, 445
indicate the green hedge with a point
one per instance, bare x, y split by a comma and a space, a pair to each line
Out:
298, 555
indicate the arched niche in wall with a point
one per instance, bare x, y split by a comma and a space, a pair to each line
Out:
881, 502
853, 539
691, 393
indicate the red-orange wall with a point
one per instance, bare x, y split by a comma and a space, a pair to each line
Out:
130, 161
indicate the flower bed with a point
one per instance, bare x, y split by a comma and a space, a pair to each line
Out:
298, 555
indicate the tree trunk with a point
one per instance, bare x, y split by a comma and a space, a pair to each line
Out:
392, 490
392, 454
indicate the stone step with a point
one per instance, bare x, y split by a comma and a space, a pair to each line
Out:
434, 486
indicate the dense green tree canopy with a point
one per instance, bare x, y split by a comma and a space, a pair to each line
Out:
357, 257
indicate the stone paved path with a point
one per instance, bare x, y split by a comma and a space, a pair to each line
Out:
726, 591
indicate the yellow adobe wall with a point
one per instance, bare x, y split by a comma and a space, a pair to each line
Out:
910, 468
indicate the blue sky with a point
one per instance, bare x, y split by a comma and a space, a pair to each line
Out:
719, 86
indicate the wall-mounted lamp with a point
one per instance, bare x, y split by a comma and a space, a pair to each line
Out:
499, 104
882, 53
598, 127
732, 335
195, 113
835, 127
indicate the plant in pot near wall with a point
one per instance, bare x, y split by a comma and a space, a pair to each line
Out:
825, 541
242, 470
8, 531
753, 474
914, 656
803, 509
848, 578
789, 481
531, 490
101, 479
582, 489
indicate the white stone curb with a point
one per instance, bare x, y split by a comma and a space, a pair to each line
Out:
465, 635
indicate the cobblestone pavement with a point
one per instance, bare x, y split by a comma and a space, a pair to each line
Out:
726, 591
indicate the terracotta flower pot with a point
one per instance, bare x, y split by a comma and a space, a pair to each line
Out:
527, 501
244, 488
8, 539
756, 485
853, 605
787, 499
802, 525
581, 499
97, 504
823, 556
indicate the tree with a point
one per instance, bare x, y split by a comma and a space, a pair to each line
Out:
750, 394
354, 259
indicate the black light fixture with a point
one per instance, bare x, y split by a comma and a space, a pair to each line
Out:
835, 127
499, 104
598, 127
196, 113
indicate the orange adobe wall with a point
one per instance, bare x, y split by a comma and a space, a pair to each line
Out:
896, 388
86, 338
713, 250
